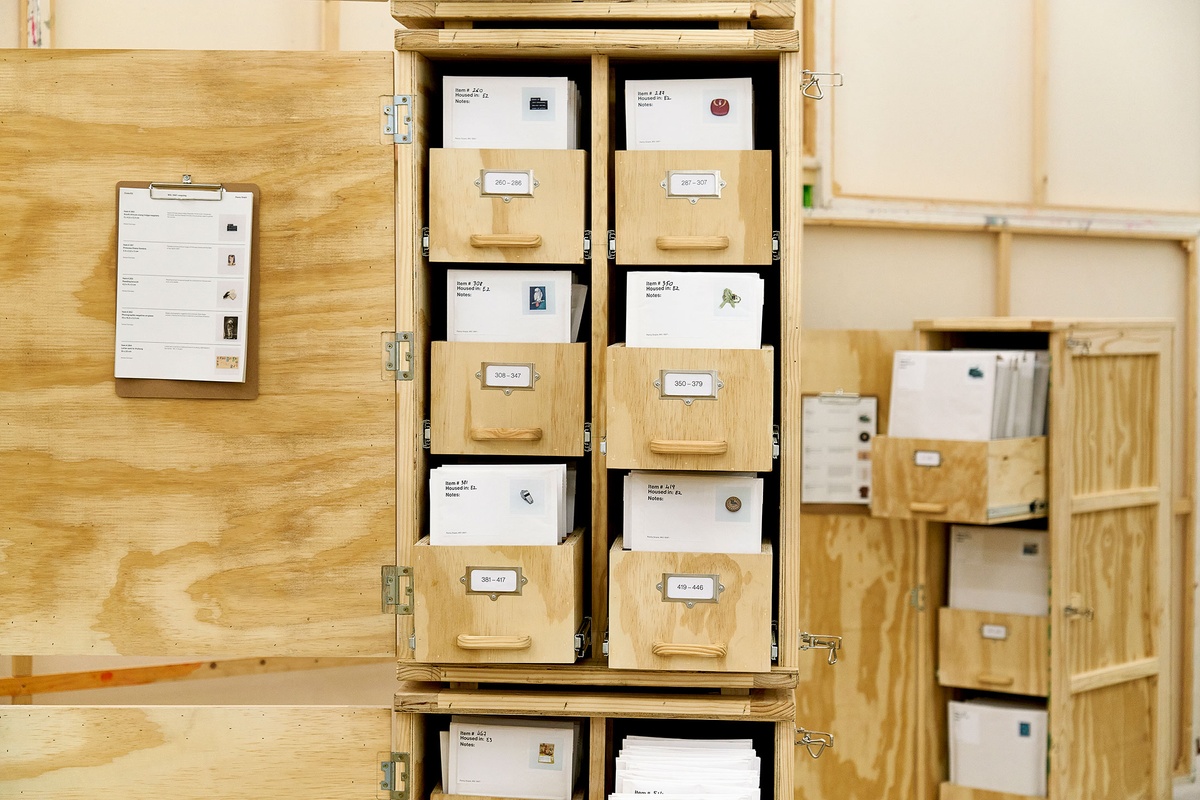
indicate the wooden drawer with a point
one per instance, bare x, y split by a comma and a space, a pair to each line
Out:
994, 652
726, 425
457, 622
951, 791
650, 630
658, 222
471, 220
474, 412
984, 483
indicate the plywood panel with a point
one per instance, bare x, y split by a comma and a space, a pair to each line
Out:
883, 279
197, 527
856, 584
314, 753
1123, 117
1116, 407
937, 100
1112, 570
1112, 744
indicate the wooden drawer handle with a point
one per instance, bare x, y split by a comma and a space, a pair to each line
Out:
996, 680
521, 240
686, 447
692, 242
506, 434
699, 650
468, 641
927, 508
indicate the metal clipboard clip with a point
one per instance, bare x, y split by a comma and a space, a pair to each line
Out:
839, 397
186, 190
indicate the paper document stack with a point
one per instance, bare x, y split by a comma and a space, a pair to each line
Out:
694, 310
693, 512
501, 504
971, 395
495, 305
692, 114
1002, 570
537, 759
695, 769
998, 746
507, 113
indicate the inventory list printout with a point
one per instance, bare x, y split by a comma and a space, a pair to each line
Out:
183, 283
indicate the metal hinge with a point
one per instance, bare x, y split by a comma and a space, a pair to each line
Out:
813, 741
397, 119
775, 254
587, 245
604, 645
587, 437
604, 445
425, 242
412, 642
774, 642
916, 597
398, 355
395, 775
397, 599
1079, 347
583, 638
775, 442
612, 245
426, 434
821, 641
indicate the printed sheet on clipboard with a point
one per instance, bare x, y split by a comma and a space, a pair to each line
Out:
836, 459
186, 310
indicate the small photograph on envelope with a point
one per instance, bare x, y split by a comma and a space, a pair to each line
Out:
546, 753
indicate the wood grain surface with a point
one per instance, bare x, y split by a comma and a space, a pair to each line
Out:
197, 527
1015, 664
235, 753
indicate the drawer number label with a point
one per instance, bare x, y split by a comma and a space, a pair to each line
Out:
689, 384
927, 458
506, 183
690, 589
997, 632
494, 581
693, 184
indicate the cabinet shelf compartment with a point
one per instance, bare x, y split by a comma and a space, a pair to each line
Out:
983, 483
720, 622
507, 206
478, 410
661, 219
994, 652
457, 619
726, 424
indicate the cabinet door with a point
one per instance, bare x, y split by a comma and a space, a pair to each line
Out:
1110, 517
197, 527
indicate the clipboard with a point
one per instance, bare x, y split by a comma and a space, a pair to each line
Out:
203, 389
838, 428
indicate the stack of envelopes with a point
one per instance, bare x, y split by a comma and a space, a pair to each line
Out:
501, 504
695, 769
537, 759
496, 305
717, 310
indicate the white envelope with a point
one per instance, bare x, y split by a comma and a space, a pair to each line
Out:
491, 305
1002, 570
498, 504
943, 394
691, 512
1020, 419
689, 114
1041, 391
719, 310
498, 758
998, 746
507, 113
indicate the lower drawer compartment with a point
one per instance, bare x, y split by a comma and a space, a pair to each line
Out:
498, 605
708, 612
994, 652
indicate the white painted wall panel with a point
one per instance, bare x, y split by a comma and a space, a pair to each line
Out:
1124, 104
866, 278
936, 102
